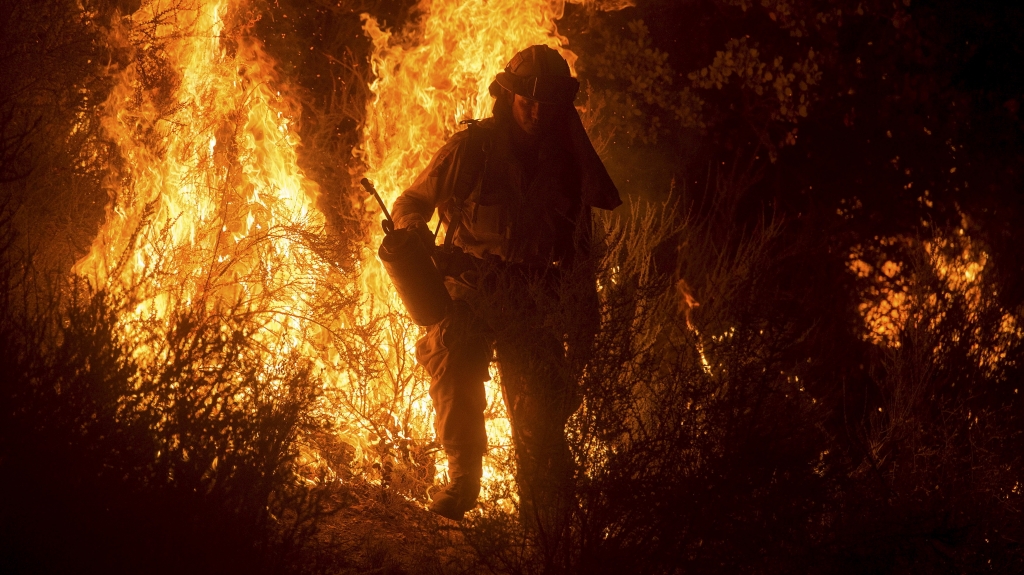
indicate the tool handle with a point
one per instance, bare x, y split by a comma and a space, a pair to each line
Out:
389, 223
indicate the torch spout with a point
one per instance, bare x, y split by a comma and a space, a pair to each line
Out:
388, 224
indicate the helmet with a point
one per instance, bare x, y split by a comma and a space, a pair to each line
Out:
539, 73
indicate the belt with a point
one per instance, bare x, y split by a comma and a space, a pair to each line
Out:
453, 262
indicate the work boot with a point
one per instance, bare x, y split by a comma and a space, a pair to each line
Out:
465, 467
456, 499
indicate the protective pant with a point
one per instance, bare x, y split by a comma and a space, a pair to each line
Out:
538, 391
456, 353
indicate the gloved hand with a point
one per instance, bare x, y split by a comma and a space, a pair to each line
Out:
419, 227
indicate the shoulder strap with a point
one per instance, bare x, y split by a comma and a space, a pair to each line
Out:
470, 170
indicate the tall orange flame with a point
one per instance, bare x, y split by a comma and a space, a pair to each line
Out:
210, 206
211, 194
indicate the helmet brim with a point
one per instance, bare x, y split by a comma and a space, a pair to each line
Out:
547, 89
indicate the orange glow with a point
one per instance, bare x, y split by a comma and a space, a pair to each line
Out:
210, 207
892, 299
210, 196
428, 78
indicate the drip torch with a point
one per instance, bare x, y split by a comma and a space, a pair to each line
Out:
408, 263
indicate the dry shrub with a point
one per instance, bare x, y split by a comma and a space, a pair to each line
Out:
735, 417
935, 462
120, 464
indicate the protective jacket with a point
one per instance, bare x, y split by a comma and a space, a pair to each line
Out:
519, 210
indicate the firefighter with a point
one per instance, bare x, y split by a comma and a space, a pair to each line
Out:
515, 191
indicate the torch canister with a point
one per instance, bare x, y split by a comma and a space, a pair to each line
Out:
408, 263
